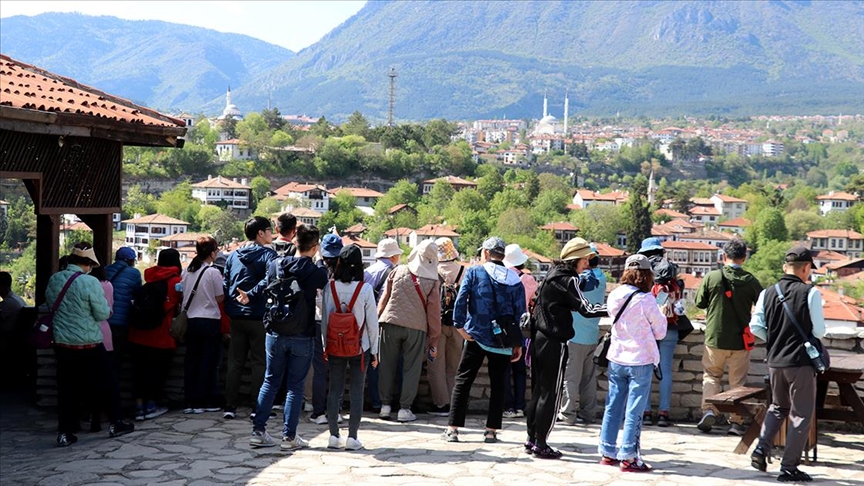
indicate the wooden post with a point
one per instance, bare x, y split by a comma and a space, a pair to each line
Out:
47, 251
103, 235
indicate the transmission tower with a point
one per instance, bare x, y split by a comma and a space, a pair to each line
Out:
392, 75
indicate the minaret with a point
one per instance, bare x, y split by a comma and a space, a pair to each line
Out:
545, 105
566, 111
228, 97
651, 188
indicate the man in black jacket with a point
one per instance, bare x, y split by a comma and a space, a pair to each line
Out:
558, 297
793, 379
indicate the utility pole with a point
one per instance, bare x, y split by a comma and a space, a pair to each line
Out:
392, 75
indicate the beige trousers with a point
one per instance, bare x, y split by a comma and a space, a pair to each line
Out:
441, 373
714, 361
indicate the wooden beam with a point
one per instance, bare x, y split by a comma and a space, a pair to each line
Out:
47, 251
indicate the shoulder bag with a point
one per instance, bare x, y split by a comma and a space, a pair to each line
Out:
602, 349
817, 354
180, 324
42, 334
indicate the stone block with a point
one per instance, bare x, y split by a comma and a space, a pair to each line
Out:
690, 400
683, 376
691, 365
678, 387
844, 344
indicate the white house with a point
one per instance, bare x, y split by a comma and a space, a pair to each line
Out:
845, 242
432, 232
223, 191
772, 148
708, 216
233, 149
306, 216
729, 207
835, 201
710, 237
312, 196
584, 198
402, 235
694, 258
140, 231
367, 248
737, 225
457, 183
4, 209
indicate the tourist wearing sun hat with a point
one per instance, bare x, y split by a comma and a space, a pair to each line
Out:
441, 372
409, 311
514, 393
558, 298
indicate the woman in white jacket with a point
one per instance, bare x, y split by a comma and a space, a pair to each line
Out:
348, 282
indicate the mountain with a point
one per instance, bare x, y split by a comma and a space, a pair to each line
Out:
496, 58
158, 64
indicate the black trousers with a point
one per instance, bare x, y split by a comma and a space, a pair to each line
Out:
548, 361
201, 369
83, 374
150, 368
472, 360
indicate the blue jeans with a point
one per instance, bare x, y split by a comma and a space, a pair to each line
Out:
288, 362
667, 356
629, 391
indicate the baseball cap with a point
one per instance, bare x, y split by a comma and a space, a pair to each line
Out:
798, 254
125, 253
493, 245
637, 262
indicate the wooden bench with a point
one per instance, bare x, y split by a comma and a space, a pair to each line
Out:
743, 401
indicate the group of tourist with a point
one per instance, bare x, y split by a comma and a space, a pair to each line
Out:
303, 313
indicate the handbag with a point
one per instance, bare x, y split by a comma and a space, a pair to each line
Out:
602, 349
685, 327
180, 324
818, 355
42, 334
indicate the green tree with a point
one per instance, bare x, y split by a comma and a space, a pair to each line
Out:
73, 237
799, 223
438, 132
138, 202
222, 224
267, 207
769, 225
260, 188
357, 124
550, 182
638, 214
549, 207
514, 222
767, 263
403, 192
490, 183
599, 222
20, 222
178, 203
273, 118
343, 212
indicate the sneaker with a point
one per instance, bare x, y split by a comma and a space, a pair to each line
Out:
546, 452
520, 413
278, 408
353, 444
647, 419
65, 440
261, 438
405, 415
509, 413
120, 428
793, 476
708, 420
155, 412
318, 419
442, 411
636, 465
229, 413
139, 414
450, 435
736, 429
307, 407
195, 411
490, 437
385, 412
335, 443
211, 409
663, 420
529, 446
560, 417
758, 460
609, 461
296, 443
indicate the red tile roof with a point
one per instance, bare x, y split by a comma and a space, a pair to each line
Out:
436, 230
837, 196
79, 226
849, 234
605, 250
393, 233
347, 240
690, 282
155, 219
305, 212
536, 256
183, 237
737, 223
357, 191
453, 180
220, 183
704, 211
297, 187
560, 226
687, 245
729, 199
672, 214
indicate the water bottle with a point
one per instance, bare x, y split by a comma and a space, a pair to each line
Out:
811, 350
496, 329
178, 287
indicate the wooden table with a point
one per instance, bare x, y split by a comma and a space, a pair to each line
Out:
748, 401
846, 370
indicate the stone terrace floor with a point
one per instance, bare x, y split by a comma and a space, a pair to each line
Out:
179, 449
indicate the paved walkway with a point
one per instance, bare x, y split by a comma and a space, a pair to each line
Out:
180, 449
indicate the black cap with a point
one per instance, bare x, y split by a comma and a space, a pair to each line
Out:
799, 254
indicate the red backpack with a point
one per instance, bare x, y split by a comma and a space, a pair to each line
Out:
344, 338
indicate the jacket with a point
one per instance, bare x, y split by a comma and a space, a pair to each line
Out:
126, 280
400, 305
310, 277
477, 304
364, 311
246, 269
284, 248
77, 319
376, 274
726, 318
592, 283
635, 334
159, 337
560, 297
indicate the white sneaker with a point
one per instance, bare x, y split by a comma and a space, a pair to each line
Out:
296, 443
405, 415
194, 411
335, 443
261, 439
353, 444
385, 412
320, 420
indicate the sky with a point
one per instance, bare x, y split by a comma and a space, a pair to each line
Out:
290, 24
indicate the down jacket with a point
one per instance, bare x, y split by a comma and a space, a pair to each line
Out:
400, 305
126, 280
83, 307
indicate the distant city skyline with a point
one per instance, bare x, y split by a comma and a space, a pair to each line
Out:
291, 24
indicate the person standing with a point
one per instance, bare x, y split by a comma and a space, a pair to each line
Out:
580, 377
245, 275
286, 227
514, 390
410, 315
441, 372
289, 356
126, 279
489, 292
10, 305
633, 354
791, 303
728, 295
558, 299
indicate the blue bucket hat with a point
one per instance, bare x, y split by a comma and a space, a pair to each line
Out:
331, 245
125, 253
651, 244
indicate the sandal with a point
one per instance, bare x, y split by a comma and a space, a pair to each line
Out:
609, 461
451, 435
636, 465
490, 437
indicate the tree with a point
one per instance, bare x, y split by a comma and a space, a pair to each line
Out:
769, 226
20, 222
178, 203
599, 222
549, 207
260, 188
138, 202
514, 222
222, 224
549, 182
266, 207
438, 132
343, 212
491, 183
403, 192
801, 222
357, 124
638, 214
273, 118
73, 237
767, 263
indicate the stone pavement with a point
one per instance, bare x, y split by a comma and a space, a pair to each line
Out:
180, 449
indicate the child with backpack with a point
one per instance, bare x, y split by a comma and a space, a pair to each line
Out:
349, 328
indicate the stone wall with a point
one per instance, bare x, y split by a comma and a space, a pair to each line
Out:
686, 396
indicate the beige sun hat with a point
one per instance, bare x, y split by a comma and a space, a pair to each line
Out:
89, 253
423, 260
575, 249
387, 248
514, 256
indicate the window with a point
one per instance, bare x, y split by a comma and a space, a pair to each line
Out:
157, 230
366, 252
833, 243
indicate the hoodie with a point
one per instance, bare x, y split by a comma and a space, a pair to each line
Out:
477, 304
310, 277
559, 297
246, 269
160, 337
727, 317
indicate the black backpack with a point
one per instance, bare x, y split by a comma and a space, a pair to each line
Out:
448, 298
147, 310
286, 311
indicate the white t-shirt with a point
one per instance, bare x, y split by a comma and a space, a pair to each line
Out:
204, 304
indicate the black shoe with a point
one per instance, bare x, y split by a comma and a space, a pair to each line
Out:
647, 419
120, 428
707, 422
663, 420
529, 446
546, 452
65, 440
793, 476
757, 459
442, 411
